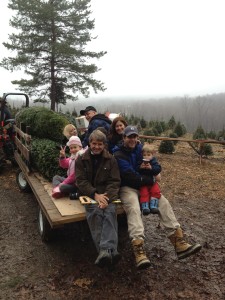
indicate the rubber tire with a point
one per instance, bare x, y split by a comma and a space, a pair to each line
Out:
45, 230
22, 182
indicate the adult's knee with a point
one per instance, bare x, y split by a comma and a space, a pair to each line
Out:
163, 202
111, 208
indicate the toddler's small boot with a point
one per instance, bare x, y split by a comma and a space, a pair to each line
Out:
154, 205
182, 248
145, 208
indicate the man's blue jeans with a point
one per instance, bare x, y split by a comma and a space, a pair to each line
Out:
103, 226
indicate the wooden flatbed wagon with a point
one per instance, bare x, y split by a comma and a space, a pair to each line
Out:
53, 213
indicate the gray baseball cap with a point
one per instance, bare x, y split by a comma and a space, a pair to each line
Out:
129, 130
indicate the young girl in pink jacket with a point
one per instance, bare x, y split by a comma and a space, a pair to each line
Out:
67, 185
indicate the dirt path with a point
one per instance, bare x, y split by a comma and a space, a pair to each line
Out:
64, 269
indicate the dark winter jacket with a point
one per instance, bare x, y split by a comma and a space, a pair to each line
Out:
105, 180
115, 141
96, 121
155, 170
129, 162
5, 113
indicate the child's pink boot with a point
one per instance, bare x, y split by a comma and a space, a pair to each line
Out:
56, 193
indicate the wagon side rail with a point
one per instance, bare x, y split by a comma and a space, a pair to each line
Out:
23, 146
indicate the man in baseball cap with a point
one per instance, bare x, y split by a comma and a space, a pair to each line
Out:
87, 109
128, 157
95, 120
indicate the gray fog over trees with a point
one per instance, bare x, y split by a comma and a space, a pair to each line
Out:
207, 111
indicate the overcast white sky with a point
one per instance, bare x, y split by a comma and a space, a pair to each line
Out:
155, 47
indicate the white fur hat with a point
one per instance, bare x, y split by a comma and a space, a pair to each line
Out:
74, 140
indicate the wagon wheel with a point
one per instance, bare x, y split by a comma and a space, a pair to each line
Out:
45, 230
22, 182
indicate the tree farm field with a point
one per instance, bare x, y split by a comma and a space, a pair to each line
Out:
64, 268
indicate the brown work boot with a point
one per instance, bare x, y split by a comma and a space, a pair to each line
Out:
142, 262
182, 248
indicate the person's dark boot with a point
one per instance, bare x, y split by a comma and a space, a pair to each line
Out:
104, 258
182, 248
116, 257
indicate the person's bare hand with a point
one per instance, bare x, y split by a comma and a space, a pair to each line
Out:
102, 200
158, 177
145, 165
62, 152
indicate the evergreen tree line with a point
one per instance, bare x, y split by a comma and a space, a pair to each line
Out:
172, 129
